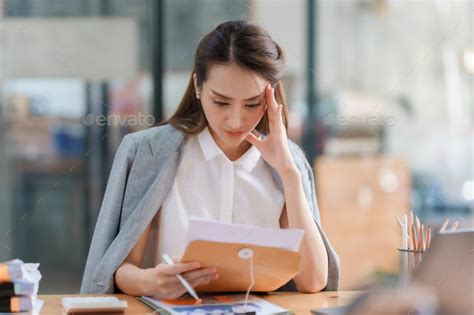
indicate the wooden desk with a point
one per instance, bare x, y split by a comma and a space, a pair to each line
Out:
297, 302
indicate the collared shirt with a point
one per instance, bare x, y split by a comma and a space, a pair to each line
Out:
210, 186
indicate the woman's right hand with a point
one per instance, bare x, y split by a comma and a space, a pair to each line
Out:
166, 285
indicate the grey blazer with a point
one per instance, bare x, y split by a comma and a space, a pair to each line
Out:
142, 174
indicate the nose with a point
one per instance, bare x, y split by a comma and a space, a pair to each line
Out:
236, 119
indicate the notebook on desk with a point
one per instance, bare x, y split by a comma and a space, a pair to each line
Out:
215, 304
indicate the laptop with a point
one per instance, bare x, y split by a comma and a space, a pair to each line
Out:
447, 268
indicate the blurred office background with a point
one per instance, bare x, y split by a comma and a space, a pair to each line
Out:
380, 94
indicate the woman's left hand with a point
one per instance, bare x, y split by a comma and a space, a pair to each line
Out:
274, 147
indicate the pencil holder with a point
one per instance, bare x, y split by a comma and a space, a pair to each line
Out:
409, 261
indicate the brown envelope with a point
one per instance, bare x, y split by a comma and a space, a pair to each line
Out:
272, 267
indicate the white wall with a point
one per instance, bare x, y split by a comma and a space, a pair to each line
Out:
84, 48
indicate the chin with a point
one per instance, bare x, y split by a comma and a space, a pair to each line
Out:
233, 140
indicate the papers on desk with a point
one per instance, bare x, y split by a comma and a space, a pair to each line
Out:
214, 304
19, 286
37, 305
199, 229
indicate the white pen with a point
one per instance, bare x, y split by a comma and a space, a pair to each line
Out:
185, 283
404, 232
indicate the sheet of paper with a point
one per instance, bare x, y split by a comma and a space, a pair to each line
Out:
216, 304
199, 229
37, 305
32, 272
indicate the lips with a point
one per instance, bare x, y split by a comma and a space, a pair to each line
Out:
234, 133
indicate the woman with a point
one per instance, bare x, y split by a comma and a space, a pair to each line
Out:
224, 155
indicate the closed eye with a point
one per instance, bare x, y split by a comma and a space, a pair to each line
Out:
220, 103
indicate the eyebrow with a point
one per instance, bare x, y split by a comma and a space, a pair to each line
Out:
229, 98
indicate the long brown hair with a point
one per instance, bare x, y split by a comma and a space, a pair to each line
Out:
241, 42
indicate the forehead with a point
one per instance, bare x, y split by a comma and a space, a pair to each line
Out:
234, 81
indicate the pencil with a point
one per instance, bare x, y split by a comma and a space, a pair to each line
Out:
401, 225
423, 239
454, 226
399, 221
413, 237
420, 239
428, 237
418, 224
444, 226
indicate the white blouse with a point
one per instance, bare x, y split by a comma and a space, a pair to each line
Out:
210, 186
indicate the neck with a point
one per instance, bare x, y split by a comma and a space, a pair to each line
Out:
235, 153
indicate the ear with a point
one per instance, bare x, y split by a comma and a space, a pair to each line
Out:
196, 87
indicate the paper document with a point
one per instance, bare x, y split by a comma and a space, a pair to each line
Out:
204, 230
37, 305
21, 281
